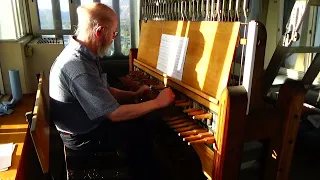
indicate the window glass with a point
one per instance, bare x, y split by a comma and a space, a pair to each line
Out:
111, 50
107, 2
45, 14
7, 22
65, 14
86, 2
125, 27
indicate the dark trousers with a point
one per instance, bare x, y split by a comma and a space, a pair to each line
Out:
133, 137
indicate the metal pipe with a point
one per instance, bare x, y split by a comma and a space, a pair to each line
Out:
134, 17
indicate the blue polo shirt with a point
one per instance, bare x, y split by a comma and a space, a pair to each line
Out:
79, 95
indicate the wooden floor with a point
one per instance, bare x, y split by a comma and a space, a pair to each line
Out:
13, 128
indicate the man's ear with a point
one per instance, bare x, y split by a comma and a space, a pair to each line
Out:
98, 31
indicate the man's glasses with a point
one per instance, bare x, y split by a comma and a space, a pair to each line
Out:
115, 33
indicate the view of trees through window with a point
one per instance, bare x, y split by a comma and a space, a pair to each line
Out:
46, 19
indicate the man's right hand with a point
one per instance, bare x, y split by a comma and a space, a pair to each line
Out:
165, 97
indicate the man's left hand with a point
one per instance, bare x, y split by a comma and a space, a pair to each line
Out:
142, 90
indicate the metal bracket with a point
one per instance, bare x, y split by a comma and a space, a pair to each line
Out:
29, 116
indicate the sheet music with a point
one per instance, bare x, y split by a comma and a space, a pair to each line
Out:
6, 151
172, 55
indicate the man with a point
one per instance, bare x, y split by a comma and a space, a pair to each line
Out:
84, 107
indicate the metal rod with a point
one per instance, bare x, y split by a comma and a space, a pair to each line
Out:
237, 9
213, 8
218, 10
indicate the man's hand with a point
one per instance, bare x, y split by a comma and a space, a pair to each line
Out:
142, 90
165, 97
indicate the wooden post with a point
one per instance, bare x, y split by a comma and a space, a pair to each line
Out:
133, 54
230, 133
290, 103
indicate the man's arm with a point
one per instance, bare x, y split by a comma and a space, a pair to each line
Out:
131, 111
121, 95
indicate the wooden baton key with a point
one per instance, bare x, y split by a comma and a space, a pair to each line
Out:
188, 103
192, 132
191, 110
187, 123
187, 128
196, 113
207, 140
180, 101
198, 136
177, 121
202, 116
175, 118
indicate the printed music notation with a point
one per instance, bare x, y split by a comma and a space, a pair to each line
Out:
172, 55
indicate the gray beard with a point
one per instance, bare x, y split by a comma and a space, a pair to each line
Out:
103, 49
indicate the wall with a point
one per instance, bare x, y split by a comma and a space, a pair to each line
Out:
12, 57
273, 16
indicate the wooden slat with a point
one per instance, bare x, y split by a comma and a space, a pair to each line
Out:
209, 55
40, 129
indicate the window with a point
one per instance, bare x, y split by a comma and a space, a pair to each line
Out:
65, 14
13, 24
125, 27
58, 17
295, 65
45, 14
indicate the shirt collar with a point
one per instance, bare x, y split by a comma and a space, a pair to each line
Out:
82, 49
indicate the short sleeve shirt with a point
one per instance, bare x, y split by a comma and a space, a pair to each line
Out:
79, 95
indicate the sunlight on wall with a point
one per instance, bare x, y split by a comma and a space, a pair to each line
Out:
202, 66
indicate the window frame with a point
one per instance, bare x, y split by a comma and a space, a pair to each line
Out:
73, 4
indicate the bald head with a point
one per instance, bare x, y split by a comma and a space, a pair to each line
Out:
96, 13
97, 24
